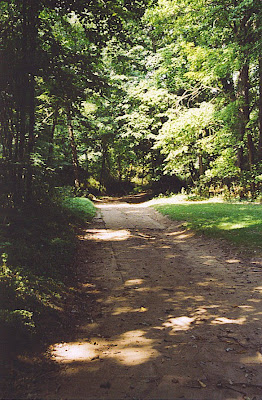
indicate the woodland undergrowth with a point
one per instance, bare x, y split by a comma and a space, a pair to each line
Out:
38, 245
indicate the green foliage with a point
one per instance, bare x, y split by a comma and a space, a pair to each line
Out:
37, 246
186, 135
148, 88
240, 224
223, 169
16, 323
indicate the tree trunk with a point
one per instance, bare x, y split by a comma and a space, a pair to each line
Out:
22, 83
73, 150
260, 111
31, 138
119, 168
105, 168
103, 164
251, 157
244, 111
251, 150
201, 166
26, 92
51, 142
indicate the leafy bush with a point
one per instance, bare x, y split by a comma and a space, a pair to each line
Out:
17, 320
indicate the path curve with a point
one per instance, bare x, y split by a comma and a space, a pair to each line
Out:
171, 315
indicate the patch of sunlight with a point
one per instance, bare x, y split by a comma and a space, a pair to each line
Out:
182, 235
132, 282
201, 311
207, 257
130, 348
147, 289
256, 359
134, 348
180, 198
136, 356
228, 226
133, 336
248, 308
259, 289
171, 256
177, 233
204, 284
233, 261
179, 323
75, 351
254, 262
208, 260
193, 298
108, 234
88, 285
223, 320
122, 310
119, 204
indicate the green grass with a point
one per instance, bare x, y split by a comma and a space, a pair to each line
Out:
240, 224
79, 209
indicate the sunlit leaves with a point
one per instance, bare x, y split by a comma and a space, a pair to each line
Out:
186, 135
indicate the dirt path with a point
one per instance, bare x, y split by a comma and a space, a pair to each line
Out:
172, 315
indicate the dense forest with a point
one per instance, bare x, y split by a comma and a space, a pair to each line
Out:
119, 96
116, 97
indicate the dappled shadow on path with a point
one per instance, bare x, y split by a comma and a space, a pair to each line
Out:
173, 318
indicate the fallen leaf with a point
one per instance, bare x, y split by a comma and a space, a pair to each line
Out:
202, 384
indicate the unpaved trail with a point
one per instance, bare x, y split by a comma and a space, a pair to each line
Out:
172, 316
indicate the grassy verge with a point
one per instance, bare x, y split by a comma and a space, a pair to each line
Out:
37, 246
238, 223
79, 209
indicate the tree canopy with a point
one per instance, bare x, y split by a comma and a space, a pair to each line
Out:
122, 95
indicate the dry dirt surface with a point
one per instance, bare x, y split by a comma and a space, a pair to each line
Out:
171, 315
